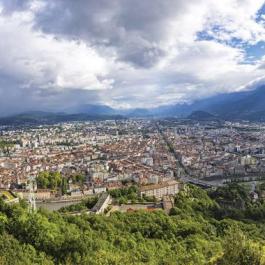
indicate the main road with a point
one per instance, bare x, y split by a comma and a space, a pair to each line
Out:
186, 177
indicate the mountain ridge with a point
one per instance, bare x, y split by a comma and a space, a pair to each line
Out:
244, 105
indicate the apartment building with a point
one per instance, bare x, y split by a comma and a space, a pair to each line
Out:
159, 190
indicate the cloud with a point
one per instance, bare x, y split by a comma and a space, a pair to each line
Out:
42, 60
127, 53
141, 32
236, 20
14, 5
38, 64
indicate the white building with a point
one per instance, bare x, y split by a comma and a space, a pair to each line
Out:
159, 190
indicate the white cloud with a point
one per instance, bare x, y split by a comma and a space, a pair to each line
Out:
128, 53
236, 19
35, 59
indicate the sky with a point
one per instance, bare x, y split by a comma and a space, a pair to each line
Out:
127, 54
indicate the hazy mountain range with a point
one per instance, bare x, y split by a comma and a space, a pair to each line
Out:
247, 105
239, 105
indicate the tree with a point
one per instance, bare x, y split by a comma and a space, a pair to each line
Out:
64, 186
238, 250
51, 180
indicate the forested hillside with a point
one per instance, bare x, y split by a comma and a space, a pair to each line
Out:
199, 230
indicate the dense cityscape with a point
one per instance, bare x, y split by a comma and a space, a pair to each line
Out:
132, 132
99, 156
72, 190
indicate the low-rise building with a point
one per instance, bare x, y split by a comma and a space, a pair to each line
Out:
159, 190
103, 202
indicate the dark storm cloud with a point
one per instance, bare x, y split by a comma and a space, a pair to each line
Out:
15, 99
134, 29
10, 6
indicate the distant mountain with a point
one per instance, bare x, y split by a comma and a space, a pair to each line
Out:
246, 105
201, 116
177, 110
138, 112
38, 117
92, 110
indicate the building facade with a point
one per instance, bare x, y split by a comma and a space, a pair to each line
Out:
161, 189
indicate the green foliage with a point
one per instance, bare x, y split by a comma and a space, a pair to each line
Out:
124, 195
14, 252
50, 180
129, 194
80, 179
194, 201
233, 193
64, 186
191, 234
234, 201
240, 250
5, 146
124, 192
85, 205
261, 187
